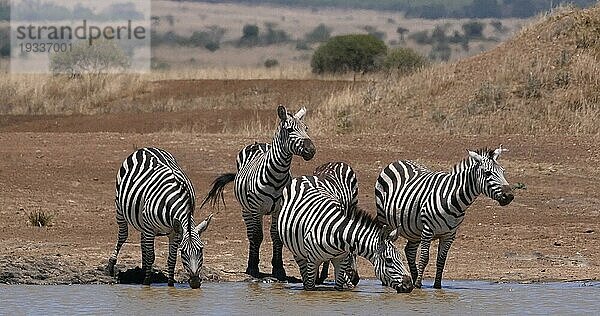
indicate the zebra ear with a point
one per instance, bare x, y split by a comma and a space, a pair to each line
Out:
498, 152
385, 232
202, 226
282, 112
300, 114
393, 235
475, 156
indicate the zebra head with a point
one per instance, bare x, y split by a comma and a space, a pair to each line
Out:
490, 176
293, 133
192, 249
388, 263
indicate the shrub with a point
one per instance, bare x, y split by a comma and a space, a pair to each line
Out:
321, 33
371, 30
473, 29
275, 36
40, 219
271, 62
302, 45
404, 60
100, 57
440, 51
249, 35
354, 52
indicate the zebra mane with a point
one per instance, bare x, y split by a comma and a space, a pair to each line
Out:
468, 162
361, 215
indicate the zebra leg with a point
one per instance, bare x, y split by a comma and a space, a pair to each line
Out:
443, 248
147, 256
311, 275
254, 231
121, 238
302, 267
277, 260
324, 272
424, 259
410, 250
174, 240
341, 278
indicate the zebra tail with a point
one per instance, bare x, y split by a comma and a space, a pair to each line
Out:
216, 191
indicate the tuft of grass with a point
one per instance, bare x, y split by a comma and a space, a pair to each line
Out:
40, 219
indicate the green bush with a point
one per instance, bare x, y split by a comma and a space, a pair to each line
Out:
249, 35
354, 52
4, 42
473, 29
404, 60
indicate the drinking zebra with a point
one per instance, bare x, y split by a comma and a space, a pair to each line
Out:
315, 227
340, 179
155, 196
425, 205
263, 172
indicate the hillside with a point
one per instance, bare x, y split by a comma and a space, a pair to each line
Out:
544, 80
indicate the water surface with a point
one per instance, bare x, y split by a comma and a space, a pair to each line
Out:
236, 298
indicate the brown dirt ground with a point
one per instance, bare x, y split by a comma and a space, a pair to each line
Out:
67, 165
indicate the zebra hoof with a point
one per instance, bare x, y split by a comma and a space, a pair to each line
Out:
255, 273
279, 274
110, 267
171, 283
437, 285
146, 281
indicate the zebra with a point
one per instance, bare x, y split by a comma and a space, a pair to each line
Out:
341, 181
263, 170
315, 227
425, 205
154, 195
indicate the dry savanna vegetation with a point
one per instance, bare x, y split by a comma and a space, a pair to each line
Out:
544, 80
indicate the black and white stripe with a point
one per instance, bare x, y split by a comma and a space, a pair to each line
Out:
263, 172
316, 227
425, 205
155, 196
339, 179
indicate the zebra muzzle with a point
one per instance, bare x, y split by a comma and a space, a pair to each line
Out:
195, 282
507, 196
308, 150
406, 286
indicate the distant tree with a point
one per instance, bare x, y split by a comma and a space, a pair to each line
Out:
439, 34
473, 29
401, 30
249, 35
4, 10
321, 33
275, 36
497, 25
354, 52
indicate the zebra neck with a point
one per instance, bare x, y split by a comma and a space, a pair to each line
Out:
363, 237
186, 220
466, 189
278, 157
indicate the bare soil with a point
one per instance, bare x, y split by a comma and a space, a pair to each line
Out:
66, 166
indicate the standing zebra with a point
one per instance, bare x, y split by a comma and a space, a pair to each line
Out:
315, 227
340, 179
426, 205
263, 172
155, 196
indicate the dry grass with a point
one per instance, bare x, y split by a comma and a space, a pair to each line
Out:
545, 80
47, 94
